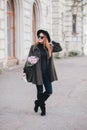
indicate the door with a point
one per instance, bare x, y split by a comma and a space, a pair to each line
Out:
10, 29
34, 23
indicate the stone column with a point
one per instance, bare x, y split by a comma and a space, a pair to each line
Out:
2, 31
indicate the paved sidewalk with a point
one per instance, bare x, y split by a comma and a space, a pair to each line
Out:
66, 108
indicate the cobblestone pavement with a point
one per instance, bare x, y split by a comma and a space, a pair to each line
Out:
66, 108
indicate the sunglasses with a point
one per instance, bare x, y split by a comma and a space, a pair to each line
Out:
41, 37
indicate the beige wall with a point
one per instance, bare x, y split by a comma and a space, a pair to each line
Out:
23, 26
43, 21
2, 30
62, 25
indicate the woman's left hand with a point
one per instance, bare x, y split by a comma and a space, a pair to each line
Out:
51, 46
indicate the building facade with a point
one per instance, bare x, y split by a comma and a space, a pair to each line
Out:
65, 20
69, 22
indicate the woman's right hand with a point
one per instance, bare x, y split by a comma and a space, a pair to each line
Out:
24, 74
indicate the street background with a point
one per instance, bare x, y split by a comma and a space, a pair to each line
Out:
66, 107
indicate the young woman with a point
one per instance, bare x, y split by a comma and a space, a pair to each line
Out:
43, 72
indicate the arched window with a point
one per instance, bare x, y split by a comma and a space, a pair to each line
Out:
10, 29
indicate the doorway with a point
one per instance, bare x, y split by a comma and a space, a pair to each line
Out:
34, 23
10, 29
35, 19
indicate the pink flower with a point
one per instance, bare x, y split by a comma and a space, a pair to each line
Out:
32, 60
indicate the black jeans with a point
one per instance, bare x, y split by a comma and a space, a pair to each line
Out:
43, 96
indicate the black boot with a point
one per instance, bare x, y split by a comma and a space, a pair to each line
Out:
36, 105
45, 96
43, 109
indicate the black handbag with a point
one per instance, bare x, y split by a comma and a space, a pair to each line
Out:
28, 70
56, 46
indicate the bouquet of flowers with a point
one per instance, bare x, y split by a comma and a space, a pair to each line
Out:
32, 60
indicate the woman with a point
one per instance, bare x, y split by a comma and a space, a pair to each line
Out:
43, 72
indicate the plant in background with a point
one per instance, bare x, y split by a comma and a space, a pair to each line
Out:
72, 54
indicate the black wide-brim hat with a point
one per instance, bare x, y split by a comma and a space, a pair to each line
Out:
45, 33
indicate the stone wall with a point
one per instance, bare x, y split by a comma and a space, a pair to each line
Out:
73, 42
46, 19
23, 26
43, 22
85, 28
27, 18
2, 30
62, 25
58, 18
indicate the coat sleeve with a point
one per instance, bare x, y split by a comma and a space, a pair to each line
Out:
56, 46
31, 51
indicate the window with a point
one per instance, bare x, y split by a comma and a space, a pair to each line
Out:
74, 23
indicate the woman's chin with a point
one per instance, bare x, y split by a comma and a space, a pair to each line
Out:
40, 42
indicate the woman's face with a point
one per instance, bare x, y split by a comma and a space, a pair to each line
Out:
41, 38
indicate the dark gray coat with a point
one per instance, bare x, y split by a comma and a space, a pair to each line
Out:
34, 74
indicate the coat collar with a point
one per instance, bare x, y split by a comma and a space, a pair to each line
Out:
36, 48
